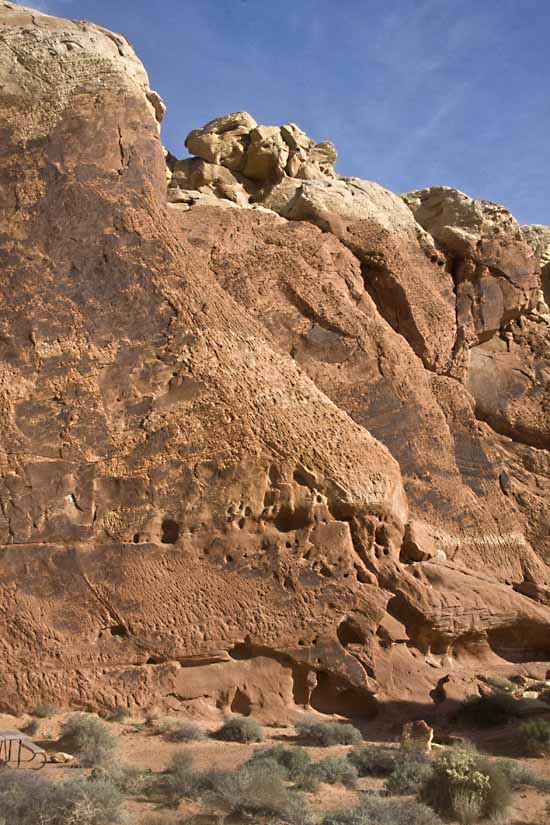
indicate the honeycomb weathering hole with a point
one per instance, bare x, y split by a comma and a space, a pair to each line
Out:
170, 531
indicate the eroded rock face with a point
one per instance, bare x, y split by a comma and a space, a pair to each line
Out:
496, 274
239, 469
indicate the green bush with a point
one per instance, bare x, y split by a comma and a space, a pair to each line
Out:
534, 737
377, 810
45, 710
295, 761
463, 781
373, 760
411, 772
179, 730
256, 789
240, 729
489, 710
315, 732
519, 775
336, 770
90, 737
28, 799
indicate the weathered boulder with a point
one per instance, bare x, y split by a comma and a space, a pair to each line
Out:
350, 199
267, 153
262, 153
210, 178
223, 140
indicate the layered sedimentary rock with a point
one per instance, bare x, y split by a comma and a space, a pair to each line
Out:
291, 451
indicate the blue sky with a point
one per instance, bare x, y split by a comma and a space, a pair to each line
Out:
412, 92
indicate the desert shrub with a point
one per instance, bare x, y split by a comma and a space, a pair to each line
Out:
462, 781
468, 806
31, 728
127, 778
90, 737
45, 710
256, 789
383, 811
313, 731
488, 710
336, 770
179, 730
28, 799
411, 772
240, 729
81, 802
503, 685
534, 736
181, 779
119, 714
371, 760
295, 760
519, 775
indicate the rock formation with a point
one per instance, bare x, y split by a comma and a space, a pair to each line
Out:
271, 438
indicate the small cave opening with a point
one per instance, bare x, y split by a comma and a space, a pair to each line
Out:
349, 632
119, 630
241, 703
155, 660
332, 696
288, 519
170, 531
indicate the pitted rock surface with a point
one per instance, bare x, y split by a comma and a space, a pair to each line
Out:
252, 457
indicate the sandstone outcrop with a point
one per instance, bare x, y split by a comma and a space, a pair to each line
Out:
261, 153
289, 453
496, 274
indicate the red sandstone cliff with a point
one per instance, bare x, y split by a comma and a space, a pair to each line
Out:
276, 422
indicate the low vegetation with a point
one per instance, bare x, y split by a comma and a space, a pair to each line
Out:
488, 710
119, 714
519, 776
411, 772
459, 784
534, 737
384, 811
29, 799
372, 760
313, 731
45, 710
256, 789
179, 730
295, 761
90, 737
240, 729
466, 786
336, 770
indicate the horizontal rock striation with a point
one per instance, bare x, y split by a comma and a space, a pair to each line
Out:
270, 437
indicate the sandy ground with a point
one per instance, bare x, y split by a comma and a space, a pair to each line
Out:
140, 746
